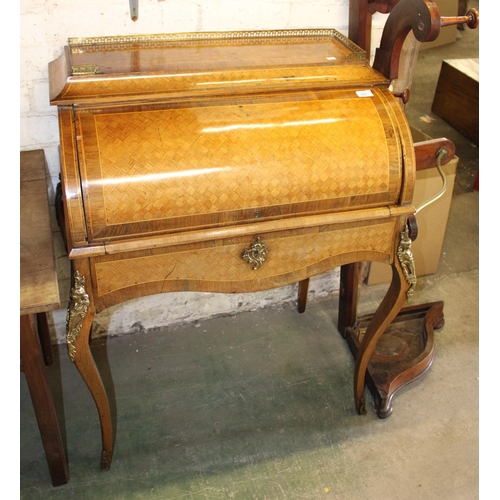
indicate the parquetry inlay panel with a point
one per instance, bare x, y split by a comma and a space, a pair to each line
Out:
220, 264
181, 162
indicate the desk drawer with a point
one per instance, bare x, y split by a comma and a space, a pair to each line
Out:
220, 267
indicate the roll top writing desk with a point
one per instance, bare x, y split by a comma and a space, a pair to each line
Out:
226, 162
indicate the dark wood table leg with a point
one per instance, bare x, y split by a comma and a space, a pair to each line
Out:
44, 336
302, 295
348, 297
33, 365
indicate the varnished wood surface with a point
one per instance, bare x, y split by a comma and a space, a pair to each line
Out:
214, 236
34, 369
293, 256
146, 171
388, 309
456, 99
469, 67
426, 152
360, 19
136, 170
422, 17
205, 51
404, 352
348, 296
39, 294
206, 63
38, 283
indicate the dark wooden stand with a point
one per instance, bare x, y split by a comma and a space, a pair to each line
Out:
404, 352
406, 349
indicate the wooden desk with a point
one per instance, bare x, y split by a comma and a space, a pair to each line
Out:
236, 162
39, 294
226, 162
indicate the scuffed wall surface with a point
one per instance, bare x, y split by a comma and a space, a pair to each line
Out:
45, 27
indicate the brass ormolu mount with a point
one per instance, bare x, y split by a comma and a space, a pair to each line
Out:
256, 253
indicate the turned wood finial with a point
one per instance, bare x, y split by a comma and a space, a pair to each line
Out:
471, 19
404, 96
424, 19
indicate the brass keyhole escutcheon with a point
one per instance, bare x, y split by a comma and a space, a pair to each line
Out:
256, 253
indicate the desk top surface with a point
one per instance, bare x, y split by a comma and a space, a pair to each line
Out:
139, 67
212, 51
39, 289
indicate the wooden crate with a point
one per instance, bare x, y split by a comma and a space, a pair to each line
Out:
456, 99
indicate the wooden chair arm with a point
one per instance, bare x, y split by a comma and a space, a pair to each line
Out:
421, 16
426, 152
424, 19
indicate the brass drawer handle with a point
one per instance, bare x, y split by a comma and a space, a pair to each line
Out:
256, 254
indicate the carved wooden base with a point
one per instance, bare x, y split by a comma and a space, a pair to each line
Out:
403, 353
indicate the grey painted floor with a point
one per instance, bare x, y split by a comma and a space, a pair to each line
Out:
259, 405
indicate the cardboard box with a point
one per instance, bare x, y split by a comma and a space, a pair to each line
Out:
432, 220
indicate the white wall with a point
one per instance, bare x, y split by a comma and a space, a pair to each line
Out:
45, 26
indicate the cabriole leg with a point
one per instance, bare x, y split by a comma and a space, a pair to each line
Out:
401, 287
81, 312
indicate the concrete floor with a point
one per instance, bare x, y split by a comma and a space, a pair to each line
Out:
259, 405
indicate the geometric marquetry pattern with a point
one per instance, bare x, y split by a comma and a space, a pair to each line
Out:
178, 162
224, 263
